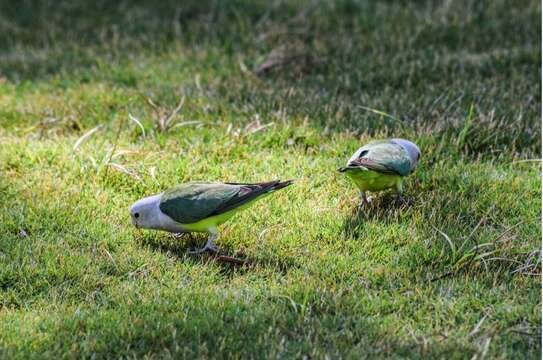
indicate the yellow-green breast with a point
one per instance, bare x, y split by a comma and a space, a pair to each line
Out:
368, 180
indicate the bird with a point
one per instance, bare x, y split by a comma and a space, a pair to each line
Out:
199, 207
381, 165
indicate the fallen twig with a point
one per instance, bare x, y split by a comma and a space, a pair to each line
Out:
231, 260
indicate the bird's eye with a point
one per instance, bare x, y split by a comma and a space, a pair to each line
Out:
137, 215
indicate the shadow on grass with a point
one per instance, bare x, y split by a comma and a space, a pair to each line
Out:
272, 328
383, 208
230, 262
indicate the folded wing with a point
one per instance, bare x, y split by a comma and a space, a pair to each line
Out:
192, 202
383, 157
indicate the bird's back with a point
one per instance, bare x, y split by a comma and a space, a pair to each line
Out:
385, 154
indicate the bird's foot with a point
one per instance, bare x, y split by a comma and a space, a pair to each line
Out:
177, 235
211, 248
365, 201
400, 200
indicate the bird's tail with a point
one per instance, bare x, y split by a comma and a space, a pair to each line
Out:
251, 192
265, 186
350, 167
278, 184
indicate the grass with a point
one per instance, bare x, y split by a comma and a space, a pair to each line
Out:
104, 103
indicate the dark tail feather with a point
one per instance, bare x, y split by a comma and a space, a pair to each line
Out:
265, 186
347, 168
250, 192
281, 184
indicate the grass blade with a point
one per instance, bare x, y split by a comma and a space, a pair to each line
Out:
85, 136
136, 120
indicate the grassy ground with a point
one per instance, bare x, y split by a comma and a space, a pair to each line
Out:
270, 90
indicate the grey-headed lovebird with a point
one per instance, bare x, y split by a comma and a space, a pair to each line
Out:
382, 165
199, 207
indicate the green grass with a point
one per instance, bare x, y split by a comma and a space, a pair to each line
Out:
452, 274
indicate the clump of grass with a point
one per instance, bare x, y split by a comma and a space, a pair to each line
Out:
496, 254
165, 119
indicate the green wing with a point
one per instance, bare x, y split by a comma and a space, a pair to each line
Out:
192, 202
383, 156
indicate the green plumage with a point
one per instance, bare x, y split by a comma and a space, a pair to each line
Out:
369, 180
193, 202
381, 165
386, 154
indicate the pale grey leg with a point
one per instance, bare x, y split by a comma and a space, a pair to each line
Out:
210, 244
399, 191
363, 199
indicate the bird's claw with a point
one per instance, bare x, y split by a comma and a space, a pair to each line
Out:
213, 249
400, 200
365, 201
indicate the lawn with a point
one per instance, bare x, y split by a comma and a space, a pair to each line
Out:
105, 102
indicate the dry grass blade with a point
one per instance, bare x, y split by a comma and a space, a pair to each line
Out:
532, 263
166, 122
125, 171
461, 259
485, 346
446, 237
152, 174
187, 123
470, 236
113, 150
497, 258
525, 161
122, 153
508, 230
110, 258
277, 61
136, 120
255, 126
381, 113
85, 136
151, 103
477, 327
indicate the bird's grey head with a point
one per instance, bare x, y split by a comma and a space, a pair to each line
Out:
144, 212
412, 149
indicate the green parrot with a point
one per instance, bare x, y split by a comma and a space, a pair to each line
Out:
382, 165
199, 207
